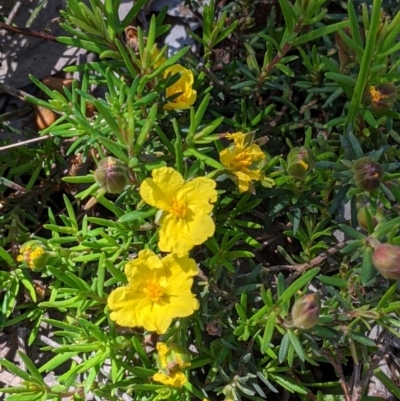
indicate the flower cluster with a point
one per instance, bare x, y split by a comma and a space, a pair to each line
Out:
244, 160
158, 290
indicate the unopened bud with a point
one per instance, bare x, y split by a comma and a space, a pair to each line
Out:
381, 97
34, 255
386, 259
362, 217
112, 175
305, 311
300, 161
171, 358
367, 174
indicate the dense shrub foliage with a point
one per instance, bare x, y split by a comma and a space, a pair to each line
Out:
220, 224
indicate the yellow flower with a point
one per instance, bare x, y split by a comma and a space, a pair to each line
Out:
183, 87
158, 291
171, 360
171, 357
174, 379
185, 221
244, 160
33, 254
382, 96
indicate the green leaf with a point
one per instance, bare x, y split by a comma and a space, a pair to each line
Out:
15, 369
288, 14
268, 332
353, 233
333, 281
31, 367
296, 345
283, 349
318, 33
387, 382
367, 268
289, 384
137, 215
6, 257
134, 11
297, 285
83, 44
362, 339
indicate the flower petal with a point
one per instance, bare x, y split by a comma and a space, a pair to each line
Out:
243, 181
160, 190
238, 138
125, 303
180, 268
175, 379
226, 157
179, 235
198, 194
157, 317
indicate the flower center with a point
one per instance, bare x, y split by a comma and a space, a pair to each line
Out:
154, 291
178, 208
242, 160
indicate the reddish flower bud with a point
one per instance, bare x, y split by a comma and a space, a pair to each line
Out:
305, 311
367, 174
386, 259
112, 175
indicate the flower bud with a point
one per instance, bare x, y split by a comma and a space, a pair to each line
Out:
34, 255
300, 161
386, 259
381, 97
305, 311
362, 217
112, 175
171, 358
367, 174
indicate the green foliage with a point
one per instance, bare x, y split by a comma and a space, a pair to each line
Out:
299, 85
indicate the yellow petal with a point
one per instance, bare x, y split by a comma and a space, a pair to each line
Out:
179, 235
198, 194
125, 303
183, 303
226, 157
175, 379
180, 268
177, 106
243, 181
238, 138
174, 236
157, 317
160, 190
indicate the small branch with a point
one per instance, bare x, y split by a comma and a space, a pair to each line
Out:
383, 345
27, 32
21, 95
301, 268
337, 366
286, 47
18, 144
216, 82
